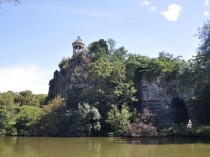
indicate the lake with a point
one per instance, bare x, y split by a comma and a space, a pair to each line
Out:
102, 147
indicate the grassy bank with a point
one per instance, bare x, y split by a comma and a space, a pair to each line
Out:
182, 130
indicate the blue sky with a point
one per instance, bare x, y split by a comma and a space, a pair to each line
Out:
35, 35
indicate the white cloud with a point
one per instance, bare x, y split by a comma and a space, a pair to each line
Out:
153, 8
173, 12
24, 77
206, 13
145, 3
206, 2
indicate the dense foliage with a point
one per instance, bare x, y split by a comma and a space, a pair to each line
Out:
105, 96
182, 130
19, 112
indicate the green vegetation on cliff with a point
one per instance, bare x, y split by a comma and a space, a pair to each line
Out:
98, 92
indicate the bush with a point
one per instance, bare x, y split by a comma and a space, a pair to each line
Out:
203, 131
139, 129
199, 131
144, 125
26, 118
119, 120
64, 64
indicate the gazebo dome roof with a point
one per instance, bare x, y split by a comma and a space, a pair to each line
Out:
78, 42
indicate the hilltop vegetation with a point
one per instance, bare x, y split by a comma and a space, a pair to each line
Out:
103, 94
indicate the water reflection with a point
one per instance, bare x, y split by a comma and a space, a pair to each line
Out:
173, 140
102, 147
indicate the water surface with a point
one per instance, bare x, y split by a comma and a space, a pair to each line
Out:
102, 147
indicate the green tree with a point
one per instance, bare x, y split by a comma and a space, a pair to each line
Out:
204, 37
27, 98
121, 53
49, 124
200, 74
108, 79
7, 110
84, 121
40, 99
98, 49
26, 118
119, 120
135, 66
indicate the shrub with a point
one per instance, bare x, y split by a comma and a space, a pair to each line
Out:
144, 125
119, 120
26, 118
182, 130
139, 129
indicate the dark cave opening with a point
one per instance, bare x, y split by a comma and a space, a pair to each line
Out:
179, 111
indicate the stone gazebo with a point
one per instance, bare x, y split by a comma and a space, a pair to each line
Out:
78, 46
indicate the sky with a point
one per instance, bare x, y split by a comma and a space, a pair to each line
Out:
35, 34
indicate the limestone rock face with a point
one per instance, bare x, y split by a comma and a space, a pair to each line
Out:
74, 74
164, 99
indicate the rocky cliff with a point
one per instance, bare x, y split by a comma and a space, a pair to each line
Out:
163, 98
167, 101
72, 74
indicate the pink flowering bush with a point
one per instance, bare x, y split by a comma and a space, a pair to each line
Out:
144, 125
